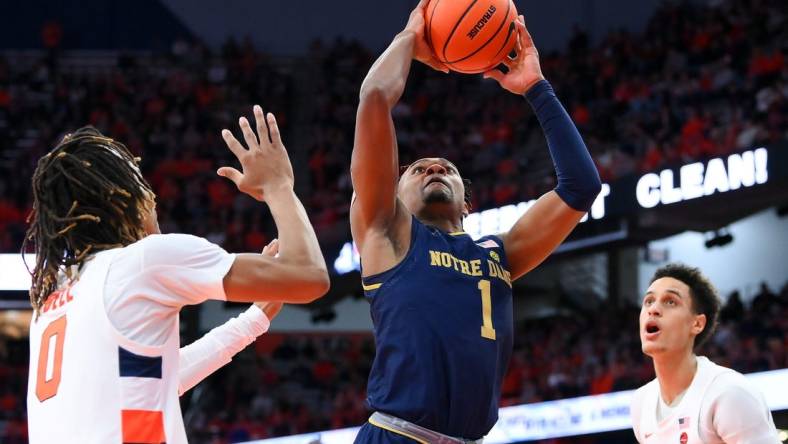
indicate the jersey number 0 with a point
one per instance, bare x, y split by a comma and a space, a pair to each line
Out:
48, 382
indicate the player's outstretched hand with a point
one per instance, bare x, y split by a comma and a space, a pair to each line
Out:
266, 167
524, 70
271, 309
421, 50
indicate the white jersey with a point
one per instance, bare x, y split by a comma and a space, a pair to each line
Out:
89, 381
718, 407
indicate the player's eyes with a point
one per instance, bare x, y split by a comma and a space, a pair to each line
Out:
671, 301
418, 170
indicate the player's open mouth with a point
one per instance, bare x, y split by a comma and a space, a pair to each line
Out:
652, 330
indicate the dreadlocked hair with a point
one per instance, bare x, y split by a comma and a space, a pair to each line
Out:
88, 196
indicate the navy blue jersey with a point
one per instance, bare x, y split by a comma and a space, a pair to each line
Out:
443, 332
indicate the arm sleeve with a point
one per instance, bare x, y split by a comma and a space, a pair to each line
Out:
217, 348
578, 179
740, 416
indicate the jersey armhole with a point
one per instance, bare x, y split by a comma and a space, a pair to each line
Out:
375, 281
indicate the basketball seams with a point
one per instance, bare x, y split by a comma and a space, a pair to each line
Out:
454, 29
429, 25
512, 31
470, 54
512, 28
494, 35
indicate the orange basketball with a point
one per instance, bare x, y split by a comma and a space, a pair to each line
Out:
471, 36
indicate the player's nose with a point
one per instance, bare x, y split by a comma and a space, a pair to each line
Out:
436, 168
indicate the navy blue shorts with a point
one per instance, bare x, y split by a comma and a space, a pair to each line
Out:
370, 434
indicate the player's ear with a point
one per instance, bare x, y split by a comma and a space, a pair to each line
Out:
698, 324
466, 198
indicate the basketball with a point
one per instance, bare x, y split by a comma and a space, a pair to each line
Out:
471, 36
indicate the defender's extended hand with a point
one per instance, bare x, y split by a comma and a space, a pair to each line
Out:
266, 167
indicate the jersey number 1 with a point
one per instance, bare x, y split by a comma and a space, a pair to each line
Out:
47, 383
487, 326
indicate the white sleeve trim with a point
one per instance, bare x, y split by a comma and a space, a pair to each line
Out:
216, 349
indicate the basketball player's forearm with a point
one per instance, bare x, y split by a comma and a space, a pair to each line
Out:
389, 73
578, 179
216, 349
297, 240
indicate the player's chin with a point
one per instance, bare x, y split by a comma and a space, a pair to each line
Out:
438, 195
651, 349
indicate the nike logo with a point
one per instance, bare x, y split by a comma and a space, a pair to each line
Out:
648, 435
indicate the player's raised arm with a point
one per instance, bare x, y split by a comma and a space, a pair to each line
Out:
543, 227
298, 273
374, 164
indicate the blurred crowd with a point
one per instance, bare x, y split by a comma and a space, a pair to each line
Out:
169, 109
702, 80
292, 384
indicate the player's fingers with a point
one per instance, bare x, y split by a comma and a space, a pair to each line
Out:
272, 309
262, 128
276, 137
272, 248
518, 48
525, 36
494, 74
231, 173
233, 143
438, 66
509, 61
249, 136
518, 44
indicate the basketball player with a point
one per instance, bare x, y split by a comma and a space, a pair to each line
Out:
107, 287
441, 302
692, 400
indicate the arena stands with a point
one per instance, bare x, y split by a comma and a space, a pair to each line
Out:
641, 101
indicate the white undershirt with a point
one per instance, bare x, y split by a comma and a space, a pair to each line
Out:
664, 410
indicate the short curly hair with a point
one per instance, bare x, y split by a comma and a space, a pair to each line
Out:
705, 299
